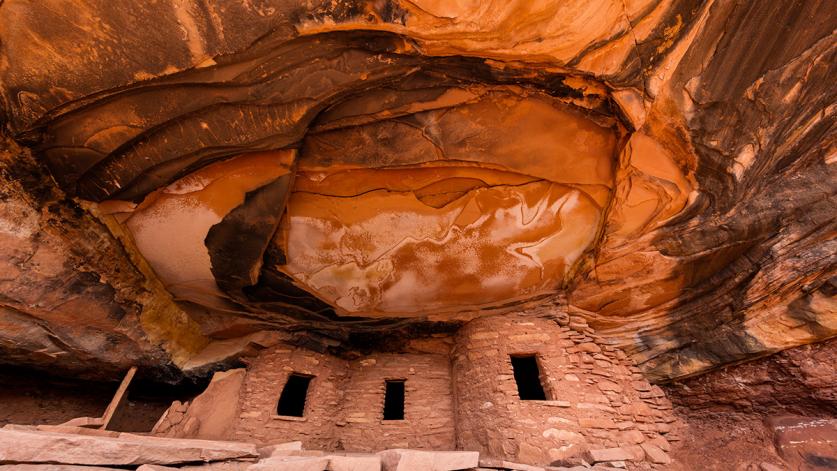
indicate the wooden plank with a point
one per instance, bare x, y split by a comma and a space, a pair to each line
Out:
118, 398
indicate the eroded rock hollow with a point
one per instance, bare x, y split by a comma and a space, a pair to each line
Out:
183, 184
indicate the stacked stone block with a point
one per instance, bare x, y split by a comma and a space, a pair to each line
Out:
595, 399
598, 404
344, 407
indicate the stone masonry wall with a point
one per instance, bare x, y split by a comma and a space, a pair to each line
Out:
344, 406
428, 405
267, 375
595, 398
597, 401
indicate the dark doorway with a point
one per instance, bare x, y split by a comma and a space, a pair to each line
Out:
394, 400
292, 399
528, 378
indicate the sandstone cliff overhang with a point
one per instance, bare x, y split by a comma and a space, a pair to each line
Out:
669, 168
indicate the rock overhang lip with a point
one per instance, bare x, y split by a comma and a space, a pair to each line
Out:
121, 177
438, 169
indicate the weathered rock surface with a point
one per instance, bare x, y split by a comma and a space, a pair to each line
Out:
291, 463
404, 460
806, 443
331, 168
23, 448
70, 298
54, 467
801, 380
29, 446
354, 463
631, 453
210, 415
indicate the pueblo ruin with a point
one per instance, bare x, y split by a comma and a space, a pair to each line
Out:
380, 235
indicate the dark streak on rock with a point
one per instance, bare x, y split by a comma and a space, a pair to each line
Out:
237, 244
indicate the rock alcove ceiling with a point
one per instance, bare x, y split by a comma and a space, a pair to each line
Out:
183, 180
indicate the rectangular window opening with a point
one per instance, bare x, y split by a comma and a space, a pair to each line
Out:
394, 399
527, 375
292, 399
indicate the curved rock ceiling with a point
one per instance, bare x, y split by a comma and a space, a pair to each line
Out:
481, 202
350, 167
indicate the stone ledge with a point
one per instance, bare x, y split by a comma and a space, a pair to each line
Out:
289, 418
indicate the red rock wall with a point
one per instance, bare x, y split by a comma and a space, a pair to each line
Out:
717, 245
801, 380
267, 376
594, 399
469, 400
344, 407
428, 405
71, 302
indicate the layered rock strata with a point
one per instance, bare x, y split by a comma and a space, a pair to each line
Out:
338, 171
801, 380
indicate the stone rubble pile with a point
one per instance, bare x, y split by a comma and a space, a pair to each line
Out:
64, 448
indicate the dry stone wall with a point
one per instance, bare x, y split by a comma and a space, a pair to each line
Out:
428, 404
597, 405
344, 405
595, 399
266, 376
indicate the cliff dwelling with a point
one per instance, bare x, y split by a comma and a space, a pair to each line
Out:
418, 235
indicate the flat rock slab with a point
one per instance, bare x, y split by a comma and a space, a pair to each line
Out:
77, 430
546, 468
218, 466
806, 442
53, 467
291, 463
655, 454
351, 462
503, 464
411, 460
628, 453
25, 446
278, 449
